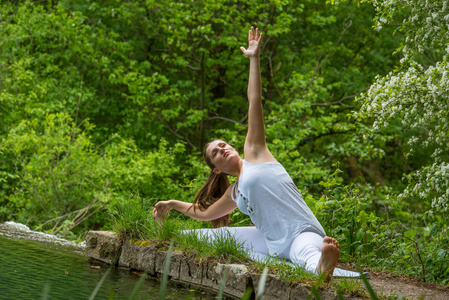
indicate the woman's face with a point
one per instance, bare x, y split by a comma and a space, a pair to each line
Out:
222, 155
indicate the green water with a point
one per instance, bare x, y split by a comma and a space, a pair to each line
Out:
28, 269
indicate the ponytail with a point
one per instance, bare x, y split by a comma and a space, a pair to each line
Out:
212, 190
215, 187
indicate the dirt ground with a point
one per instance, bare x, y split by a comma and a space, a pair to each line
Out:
387, 284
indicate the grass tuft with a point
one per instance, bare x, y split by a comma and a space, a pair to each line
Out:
371, 292
165, 275
223, 283
286, 270
349, 286
262, 281
129, 218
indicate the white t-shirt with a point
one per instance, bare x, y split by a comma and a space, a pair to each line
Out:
268, 195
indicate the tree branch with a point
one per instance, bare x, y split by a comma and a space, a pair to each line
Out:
193, 68
320, 64
272, 75
312, 138
228, 120
176, 134
339, 101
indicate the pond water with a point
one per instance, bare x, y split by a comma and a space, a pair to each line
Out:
34, 264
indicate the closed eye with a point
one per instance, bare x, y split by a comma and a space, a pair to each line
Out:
221, 145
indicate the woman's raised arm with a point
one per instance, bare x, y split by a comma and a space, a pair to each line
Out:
255, 149
220, 208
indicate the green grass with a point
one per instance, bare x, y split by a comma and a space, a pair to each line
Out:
129, 218
165, 275
223, 283
287, 271
349, 286
223, 247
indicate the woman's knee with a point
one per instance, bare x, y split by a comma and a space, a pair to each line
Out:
306, 246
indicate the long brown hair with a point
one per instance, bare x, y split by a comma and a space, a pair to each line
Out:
212, 190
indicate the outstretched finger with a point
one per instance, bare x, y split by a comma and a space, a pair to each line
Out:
243, 49
260, 37
156, 213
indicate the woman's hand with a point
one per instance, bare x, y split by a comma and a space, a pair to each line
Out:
253, 43
161, 210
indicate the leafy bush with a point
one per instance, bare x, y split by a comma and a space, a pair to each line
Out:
55, 179
343, 212
381, 233
56, 174
156, 174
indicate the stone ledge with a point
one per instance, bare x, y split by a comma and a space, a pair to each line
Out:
105, 247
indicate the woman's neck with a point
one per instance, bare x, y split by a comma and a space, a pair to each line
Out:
237, 169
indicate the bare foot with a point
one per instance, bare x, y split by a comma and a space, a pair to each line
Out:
329, 257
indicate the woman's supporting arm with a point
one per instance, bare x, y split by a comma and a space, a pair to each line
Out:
256, 150
220, 208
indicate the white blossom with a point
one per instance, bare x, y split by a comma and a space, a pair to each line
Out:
417, 95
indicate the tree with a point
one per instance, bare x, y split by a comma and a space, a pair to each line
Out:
174, 70
416, 94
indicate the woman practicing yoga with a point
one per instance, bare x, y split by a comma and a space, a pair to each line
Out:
285, 227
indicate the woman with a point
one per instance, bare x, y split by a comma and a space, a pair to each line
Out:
284, 226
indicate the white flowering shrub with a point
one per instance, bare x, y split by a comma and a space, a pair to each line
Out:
425, 25
417, 93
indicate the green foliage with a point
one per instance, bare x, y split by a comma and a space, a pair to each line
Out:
343, 210
222, 247
155, 174
158, 79
56, 179
375, 231
414, 94
174, 70
56, 173
420, 251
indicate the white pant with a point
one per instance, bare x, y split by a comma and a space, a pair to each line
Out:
305, 250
